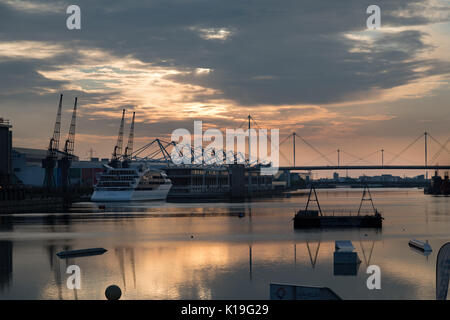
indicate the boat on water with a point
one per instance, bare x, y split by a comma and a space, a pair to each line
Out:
438, 185
133, 183
307, 218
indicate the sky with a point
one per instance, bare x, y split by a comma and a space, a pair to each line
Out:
310, 67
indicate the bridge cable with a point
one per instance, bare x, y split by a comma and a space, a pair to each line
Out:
438, 153
410, 145
318, 158
316, 150
364, 158
393, 154
356, 157
442, 146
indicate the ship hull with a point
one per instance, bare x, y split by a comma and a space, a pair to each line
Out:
131, 195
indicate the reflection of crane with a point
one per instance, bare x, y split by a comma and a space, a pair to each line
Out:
121, 259
69, 145
117, 153
49, 162
121, 253
250, 260
129, 147
367, 259
133, 264
313, 260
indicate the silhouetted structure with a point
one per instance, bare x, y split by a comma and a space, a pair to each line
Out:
5, 153
439, 185
6, 263
49, 163
66, 161
305, 219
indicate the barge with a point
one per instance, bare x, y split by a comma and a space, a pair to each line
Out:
307, 219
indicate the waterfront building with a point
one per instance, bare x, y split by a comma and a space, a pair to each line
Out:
216, 181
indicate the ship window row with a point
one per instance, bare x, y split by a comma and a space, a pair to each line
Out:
179, 172
113, 184
198, 181
116, 178
151, 182
119, 172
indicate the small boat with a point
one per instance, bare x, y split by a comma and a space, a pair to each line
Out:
420, 245
81, 252
279, 291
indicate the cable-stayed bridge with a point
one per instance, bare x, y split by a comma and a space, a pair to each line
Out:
160, 150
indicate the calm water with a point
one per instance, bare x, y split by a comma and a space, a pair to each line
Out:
164, 250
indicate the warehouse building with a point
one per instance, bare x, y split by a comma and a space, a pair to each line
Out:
27, 168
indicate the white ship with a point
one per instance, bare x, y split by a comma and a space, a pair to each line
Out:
130, 184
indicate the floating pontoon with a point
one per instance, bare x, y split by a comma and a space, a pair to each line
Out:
305, 219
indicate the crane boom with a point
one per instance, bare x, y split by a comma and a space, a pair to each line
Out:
66, 161
54, 141
129, 148
70, 142
49, 162
118, 147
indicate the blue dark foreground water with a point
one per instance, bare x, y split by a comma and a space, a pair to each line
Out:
161, 250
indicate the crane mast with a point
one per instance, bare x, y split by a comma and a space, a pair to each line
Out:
129, 147
49, 162
117, 153
66, 161
54, 141
69, 146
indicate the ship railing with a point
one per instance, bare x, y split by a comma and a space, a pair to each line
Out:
347, 212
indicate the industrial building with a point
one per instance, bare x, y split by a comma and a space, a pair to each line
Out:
232, 181
189, 181
27, 168
5, 152
55, 168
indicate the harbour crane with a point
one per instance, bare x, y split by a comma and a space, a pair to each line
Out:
49, 162
129, 147
117, 153
66, 161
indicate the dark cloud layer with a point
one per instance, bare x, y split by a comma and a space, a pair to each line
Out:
279, 52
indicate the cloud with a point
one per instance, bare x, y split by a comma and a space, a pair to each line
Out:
212, 33
34, 6
290, 64
261, 52
375, 117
